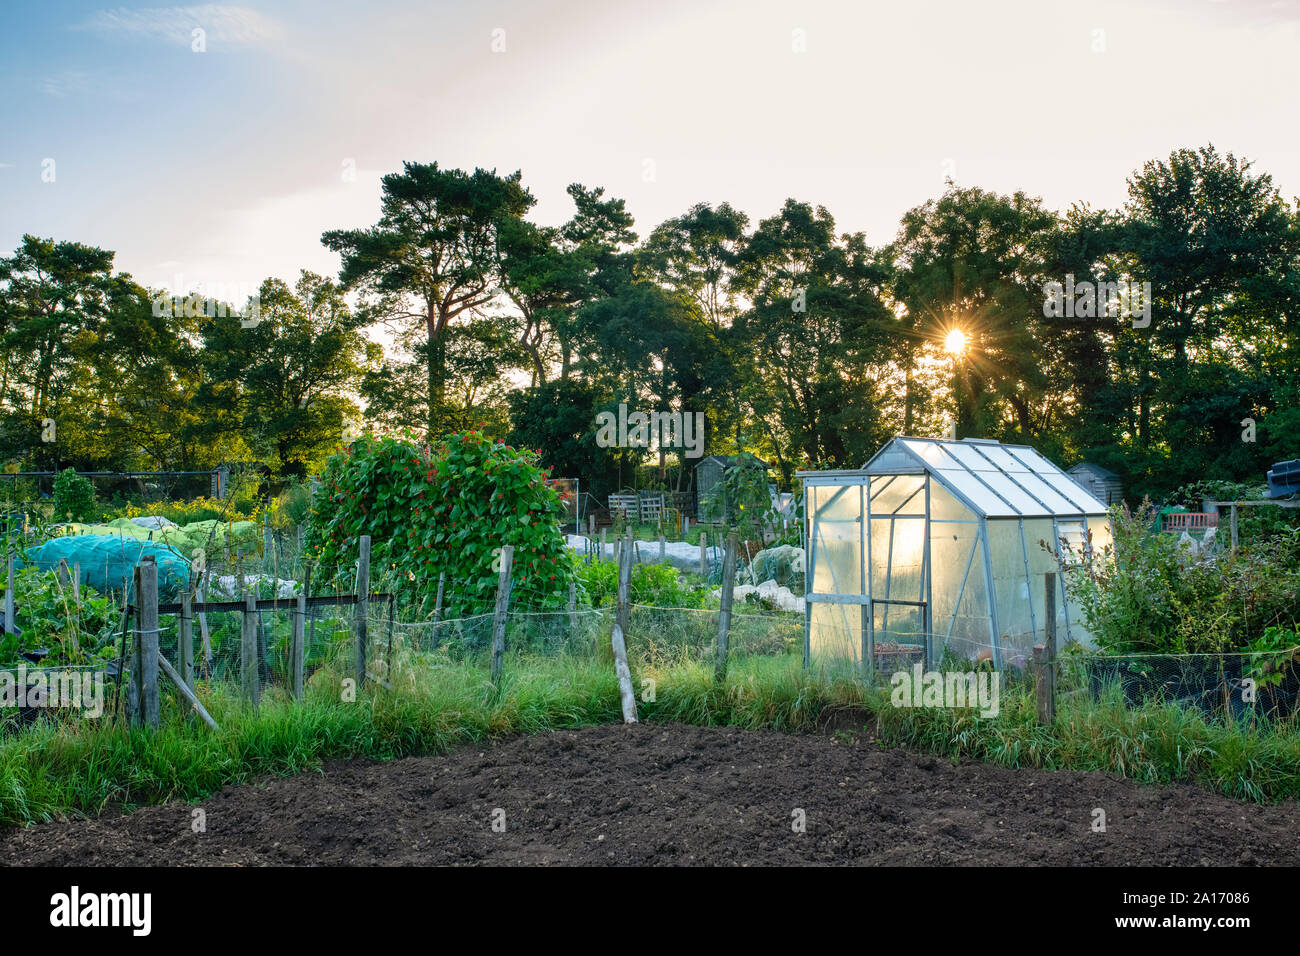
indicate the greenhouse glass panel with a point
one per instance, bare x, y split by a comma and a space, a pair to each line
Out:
959, 616
836, 632
945, 507
1044, 493
932, 453
1070, 489
898, 494
970, 458
976, 492
1021, 500
836, 536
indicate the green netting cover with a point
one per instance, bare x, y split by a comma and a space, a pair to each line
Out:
183, 539
108, 559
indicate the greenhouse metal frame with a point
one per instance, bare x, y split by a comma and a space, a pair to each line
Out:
941, 545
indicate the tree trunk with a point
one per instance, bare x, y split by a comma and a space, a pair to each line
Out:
437, 374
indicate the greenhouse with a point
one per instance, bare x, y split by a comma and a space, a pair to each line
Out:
941, 546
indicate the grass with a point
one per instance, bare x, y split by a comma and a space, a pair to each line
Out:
48, 771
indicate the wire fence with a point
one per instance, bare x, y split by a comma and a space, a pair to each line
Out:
409, 631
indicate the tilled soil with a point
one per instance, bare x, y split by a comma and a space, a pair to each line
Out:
674, 794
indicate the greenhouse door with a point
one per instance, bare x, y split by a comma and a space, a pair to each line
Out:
898, 561
896, 635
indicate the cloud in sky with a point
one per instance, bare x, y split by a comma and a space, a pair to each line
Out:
66, 83
223, 24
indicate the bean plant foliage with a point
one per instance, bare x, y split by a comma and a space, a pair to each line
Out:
445, 509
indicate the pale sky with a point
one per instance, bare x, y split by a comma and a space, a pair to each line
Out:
224, 166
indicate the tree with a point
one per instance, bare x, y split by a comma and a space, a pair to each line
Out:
695, 255
814, 338
432, 256
972, 261
288, 377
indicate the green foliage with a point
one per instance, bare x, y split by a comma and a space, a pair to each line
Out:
51, 620
74, 496
657, 585
1146, 594
448, 512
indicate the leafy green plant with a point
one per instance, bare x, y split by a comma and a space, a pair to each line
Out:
50, 620
74, 497
448, 511
654, 585
1147, 594
1273, 655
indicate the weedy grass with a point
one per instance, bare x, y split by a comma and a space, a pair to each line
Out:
85, 768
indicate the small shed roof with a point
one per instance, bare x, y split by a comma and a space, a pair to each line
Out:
1094, 468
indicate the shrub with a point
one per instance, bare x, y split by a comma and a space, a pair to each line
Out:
1146, 594
50, 620
447, 511
74, 496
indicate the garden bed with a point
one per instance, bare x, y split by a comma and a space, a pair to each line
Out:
680, 795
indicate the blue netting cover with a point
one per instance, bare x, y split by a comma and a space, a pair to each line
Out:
107, 560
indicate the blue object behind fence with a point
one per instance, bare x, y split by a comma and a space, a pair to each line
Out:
108, 560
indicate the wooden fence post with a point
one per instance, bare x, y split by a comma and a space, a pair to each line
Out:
1045, 655
249, 672
602, 544
618, 640
623, 611
185, 642
663, 548
205, 638
704, 552
573, 607
361, 623
499, 617
296, 648
392, 626
724, 616
437, 607
1043, 685
146, 647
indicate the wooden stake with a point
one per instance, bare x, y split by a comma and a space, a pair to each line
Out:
185, 643
250, 681
363, 608
186, 692
663, 548
437, 607
704, 552
619, 643
1043, 686
573, 606
204, 636
146, 645
296, 655
65, 585
499, 618
623, 611
724, 617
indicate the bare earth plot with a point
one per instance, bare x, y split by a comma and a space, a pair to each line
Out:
673, 794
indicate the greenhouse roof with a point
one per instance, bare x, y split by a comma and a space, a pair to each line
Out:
993, 479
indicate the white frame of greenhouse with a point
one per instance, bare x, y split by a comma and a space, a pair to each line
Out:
934, 545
